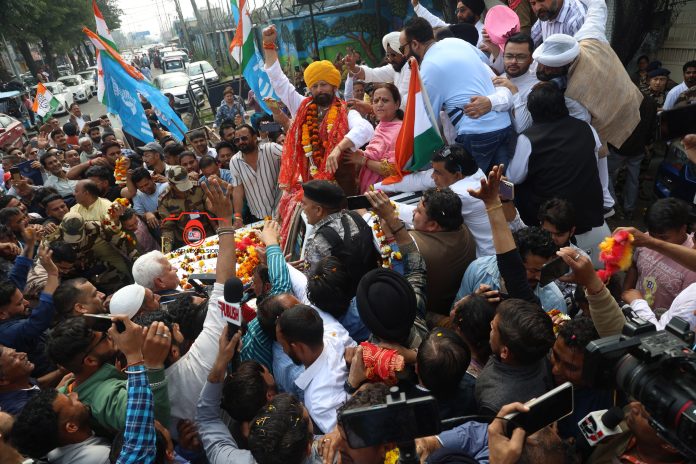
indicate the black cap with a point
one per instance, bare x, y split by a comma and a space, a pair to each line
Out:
658, 72
476, 6
325, 193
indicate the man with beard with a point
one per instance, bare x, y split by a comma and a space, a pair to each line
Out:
485, 136
254, 171
392, 72
322, 131
521, 76
689, 70
557, 17
153, 155
89, 355
468, 12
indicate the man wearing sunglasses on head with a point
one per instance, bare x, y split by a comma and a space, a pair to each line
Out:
254, 169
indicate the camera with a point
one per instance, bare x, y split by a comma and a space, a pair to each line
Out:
657, 368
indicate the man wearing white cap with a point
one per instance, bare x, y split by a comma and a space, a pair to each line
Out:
393, 72
133, 299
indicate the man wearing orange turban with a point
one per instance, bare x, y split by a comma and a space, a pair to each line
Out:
323, 130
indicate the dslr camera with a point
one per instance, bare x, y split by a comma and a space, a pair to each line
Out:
657, 368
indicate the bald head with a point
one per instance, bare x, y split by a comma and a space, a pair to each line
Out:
86, 192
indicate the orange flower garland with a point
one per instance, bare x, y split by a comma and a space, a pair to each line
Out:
121, 170
247, 257
108, 222
314, 149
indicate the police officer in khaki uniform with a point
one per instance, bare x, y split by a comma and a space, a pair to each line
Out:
182, 209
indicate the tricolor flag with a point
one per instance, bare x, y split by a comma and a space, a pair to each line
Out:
420, 136
105, 34
45, 104
243, 51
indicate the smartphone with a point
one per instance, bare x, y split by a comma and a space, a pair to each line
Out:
268, 126
547, 409
391, 423
358, 202
677, 122
102, 322
96, 123
507, 190
16, 175
553, 270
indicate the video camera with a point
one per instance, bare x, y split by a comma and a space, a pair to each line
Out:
657, 368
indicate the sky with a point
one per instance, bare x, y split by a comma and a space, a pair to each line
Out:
144, 15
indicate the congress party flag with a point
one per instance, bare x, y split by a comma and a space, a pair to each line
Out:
419, 137
45, 104
243, 51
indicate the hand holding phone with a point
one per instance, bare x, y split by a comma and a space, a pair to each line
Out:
507, 190
358, 202
553, 270
545, 410
103, 322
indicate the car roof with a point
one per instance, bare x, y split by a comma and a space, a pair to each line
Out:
199, 62
68, 77
172, 74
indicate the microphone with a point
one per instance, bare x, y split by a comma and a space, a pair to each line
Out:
230, 305
599, 425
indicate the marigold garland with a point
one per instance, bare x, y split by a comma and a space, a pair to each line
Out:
386, 252
314, 148
121, 170
616, 252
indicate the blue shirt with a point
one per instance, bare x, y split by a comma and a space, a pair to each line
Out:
353, 324
470, 437
285, 372
442, 62
226, 112
484, 270
144, 203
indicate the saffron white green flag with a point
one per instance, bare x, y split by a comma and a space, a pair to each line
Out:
105, 34
419, 137
45, 104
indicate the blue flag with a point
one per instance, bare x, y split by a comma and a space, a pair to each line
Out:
123, 98
258, 80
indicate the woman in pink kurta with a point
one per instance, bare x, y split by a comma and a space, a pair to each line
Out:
377, 160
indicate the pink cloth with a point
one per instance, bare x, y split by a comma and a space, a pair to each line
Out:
660, 279
381, 147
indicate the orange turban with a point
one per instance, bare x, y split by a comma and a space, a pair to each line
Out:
322, 71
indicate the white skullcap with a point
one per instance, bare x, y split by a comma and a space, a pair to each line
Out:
127, 300
391, 39
557, 50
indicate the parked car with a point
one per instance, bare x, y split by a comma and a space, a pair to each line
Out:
90, 75
177, 83
173, 64
198, 70
78, 86
11, 131
64, 70
64, 97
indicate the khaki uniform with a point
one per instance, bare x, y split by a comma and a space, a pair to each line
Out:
94, 232
171, 206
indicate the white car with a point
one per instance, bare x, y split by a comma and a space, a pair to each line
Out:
198, 70
90, 76
177, 84
78, 86
64, 97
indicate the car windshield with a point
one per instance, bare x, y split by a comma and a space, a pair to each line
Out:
167, 82
54, 88
70, 81
86, 74
173, 64
195, 68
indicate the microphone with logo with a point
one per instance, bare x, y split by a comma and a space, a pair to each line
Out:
230, 307
599, 425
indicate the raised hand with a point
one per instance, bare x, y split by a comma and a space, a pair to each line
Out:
156, 346
220, 203
270, 34
489, 193
270, 235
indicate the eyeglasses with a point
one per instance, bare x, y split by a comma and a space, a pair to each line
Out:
518, 58
243, 138
103, 337
461, 10
403, 47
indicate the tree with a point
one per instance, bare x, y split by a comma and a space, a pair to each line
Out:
361, 28
308, 36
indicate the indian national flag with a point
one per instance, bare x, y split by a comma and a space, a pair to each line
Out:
242, 46
419, 137
45, 104
105, 34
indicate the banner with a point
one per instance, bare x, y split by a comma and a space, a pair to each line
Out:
45, 104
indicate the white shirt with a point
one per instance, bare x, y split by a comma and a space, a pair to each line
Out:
261, 188
519, 165
400, 79
187, 376
360, 130
473, 209
673, 94
322, 383
64, 186
682, 306
211, 152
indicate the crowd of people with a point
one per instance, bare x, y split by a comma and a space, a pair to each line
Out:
440, 295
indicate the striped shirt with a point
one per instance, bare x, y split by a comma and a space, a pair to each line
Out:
568, 21
261, 185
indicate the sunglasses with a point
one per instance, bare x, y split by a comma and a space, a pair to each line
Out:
402, 48
243, 138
